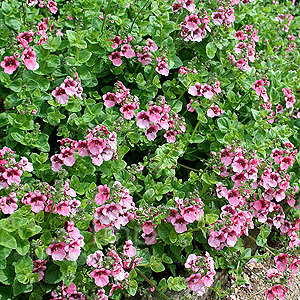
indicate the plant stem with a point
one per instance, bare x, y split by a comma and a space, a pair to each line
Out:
152, 284
196, 127
189, 168
138, 15
88, 108
242, 100
258, 275
105, 14
266, 246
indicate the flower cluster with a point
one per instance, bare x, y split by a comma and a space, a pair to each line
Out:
162, 66
69, 293
117, 207
122, 96
224, 16
11, 170
284, 21
159, 117
283, 262
39, 267
194, 27
144, 55
114, 265
186, 212
99, 144
245, 49
51, 5
186, 4
149, 234
205, 90
204, 272
246, 185
70, 248
68, 88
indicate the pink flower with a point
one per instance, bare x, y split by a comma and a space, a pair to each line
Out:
240, 35
214, 111
39, 266
148, 227
73, 250
103, 195
170, 135
152, 46
128, 111
67, 156
150, 239
127, 51
25, 37
192, 22
52, 6
115, 58
196, 90
116, 42
62, 208
162, 68
281, 261
57, 163
151, 132
12, 175
9, 64
69, 85
217, 18
60, 94
29, 59
143, 119
128, 249
57, 251
101, 276
9, 204
144, 58
109, 99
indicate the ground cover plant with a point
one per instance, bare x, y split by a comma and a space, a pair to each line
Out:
142, 142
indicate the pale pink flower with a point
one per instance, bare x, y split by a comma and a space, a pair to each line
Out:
214, 111
52, 6
103, 195
29, 59
57, 251
9, 64
60, 94
115, 58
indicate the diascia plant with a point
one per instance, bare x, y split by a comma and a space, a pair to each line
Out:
144, 143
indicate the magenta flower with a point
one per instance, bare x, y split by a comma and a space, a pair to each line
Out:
52, 6
73, 250
9, 204
148, 227
128, 111
281, 261
101, 276
196, 90
9, 64
143, 119
127, 51
214, 111
103, 195
12, 175
128, 249
192, 22
57, 162
67, 156
116, 42
115, 58
69, 85
57, 251
29, 59
150, 239
109, 99
61, 95
162, 68
180, 224
151, 132
144, 58
217, 18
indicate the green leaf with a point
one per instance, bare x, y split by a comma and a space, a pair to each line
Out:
211, 218
261, 239
156, 265
23, 268
223, 124
53, 274
104, 237
211, 50
133, 286
29, 230
23, 246
12, 223
7, 275
148, 195
4, 252
197, 138
19, 288
52, 43
7, 240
